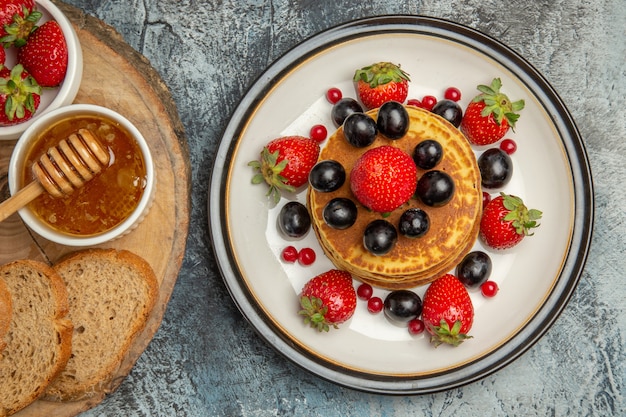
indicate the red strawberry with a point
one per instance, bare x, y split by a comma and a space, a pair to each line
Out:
285, 163
17, 20
19, 95
3, 56
328, 299
381, 82
45, 54
489, 115
447, 311
383, 178
506, 220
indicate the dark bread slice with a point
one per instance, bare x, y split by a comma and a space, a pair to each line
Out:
38, 343
111, 295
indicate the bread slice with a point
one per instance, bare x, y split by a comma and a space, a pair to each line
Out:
6, 311
38, 343
112, 293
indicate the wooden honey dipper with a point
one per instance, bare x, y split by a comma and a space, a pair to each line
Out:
61, 170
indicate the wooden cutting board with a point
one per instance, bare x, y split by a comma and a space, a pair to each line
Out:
117, 77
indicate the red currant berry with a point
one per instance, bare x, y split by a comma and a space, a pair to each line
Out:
509, 146
416, 326
489, 289
334, 95
414, 102
318, 133
486, 198
306, 256
290, 254
452, 93
364, 291
375, 305
428, 102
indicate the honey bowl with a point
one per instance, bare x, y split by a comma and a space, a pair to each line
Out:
106, 207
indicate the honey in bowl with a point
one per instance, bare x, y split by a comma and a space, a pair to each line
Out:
104, 201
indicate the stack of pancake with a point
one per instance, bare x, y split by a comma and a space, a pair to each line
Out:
453, 227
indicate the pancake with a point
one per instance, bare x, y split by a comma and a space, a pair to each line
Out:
453, 227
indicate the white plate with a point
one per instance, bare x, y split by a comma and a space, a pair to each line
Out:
536, 279
52, 98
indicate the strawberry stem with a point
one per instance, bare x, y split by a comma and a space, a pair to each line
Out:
314, 312
498, 104
444, 334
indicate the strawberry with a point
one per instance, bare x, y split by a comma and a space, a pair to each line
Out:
19, 95
45, 54
285, 164
506, 220
383, 178
490, 115
17, 20
447, 311
328, 299
381, 82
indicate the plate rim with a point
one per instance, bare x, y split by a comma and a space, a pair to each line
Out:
574, 259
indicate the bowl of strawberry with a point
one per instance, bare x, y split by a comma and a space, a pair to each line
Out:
41, 63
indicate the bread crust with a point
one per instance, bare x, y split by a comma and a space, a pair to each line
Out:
6, 311
14, 276
88, 377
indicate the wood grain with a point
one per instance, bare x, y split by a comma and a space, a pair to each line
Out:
117, 77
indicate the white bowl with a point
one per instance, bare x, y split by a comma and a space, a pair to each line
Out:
52, 98
16, 167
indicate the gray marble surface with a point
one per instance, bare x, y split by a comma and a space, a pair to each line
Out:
205, 360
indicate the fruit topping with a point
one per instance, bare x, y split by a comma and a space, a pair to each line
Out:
496, 168
289, 254
506, 221
428, 102
452, 93
416, 326
490, 115
364, 291
294, 219
489, 289
474, 269
306, 256
318, 133
435, 188
427, 154
375, 305
383, 178
414, 223
381, 82
392, 120
449, 110
379, 237
360, 130
402, 306
17, 20
344, 108
285, 164
333, 95
509, 146
340, 213
448, 313
327, 176
328, 300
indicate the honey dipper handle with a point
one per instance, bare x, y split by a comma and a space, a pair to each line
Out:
20, 199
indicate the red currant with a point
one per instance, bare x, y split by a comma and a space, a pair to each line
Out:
414, 102
290, 254
509, 146
416, 326
364, 291
452, 93
428, 102
318, 133
486, 198
306, 256
489, 289
375, 305
334, 95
